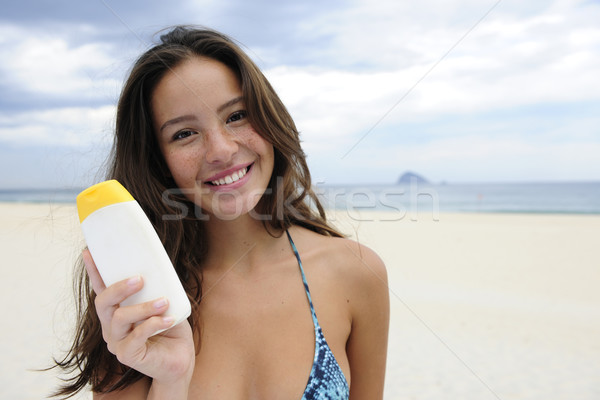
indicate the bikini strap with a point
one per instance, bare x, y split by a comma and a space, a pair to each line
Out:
306, 289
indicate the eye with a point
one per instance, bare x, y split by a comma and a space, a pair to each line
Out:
236, 116
183, 134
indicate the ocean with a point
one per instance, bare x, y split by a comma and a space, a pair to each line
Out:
549, 197
553, 198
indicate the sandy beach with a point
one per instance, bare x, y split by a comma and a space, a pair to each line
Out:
483, 306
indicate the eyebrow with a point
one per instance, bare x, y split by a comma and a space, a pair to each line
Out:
190, 117
231, 102
177, 120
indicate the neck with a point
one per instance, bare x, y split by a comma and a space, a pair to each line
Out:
236, 241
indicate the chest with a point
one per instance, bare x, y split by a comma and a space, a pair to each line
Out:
257, 338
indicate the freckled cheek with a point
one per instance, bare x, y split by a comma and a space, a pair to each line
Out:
184, 166
255, 142
242, 136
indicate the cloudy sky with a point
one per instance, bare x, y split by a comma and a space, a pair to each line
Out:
457, 90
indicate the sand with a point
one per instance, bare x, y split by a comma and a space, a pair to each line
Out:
483, 306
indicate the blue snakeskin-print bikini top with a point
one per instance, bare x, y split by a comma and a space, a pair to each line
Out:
326, 380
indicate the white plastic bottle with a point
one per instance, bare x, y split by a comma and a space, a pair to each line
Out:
123, 243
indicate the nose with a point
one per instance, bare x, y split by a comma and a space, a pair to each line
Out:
221, 145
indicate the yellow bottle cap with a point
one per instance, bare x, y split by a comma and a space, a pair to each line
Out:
101, 195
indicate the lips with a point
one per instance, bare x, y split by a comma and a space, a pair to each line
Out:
229, 176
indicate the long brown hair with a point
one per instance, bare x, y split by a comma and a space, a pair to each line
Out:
136, 161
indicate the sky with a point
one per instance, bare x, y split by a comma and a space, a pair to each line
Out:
458, 91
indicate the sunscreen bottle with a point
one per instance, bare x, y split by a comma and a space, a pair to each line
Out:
123, 243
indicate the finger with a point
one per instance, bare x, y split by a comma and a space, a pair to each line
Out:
134, 347
108, 301
90, 266
125, 317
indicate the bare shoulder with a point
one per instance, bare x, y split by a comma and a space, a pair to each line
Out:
352, 281
355, 265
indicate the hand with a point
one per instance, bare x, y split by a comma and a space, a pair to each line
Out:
167, 357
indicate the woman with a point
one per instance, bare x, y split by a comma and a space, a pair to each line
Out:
212, 155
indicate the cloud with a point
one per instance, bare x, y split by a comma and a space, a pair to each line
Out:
347, 72
479, 158
541, 61
507, 60
41, 66
61, 93
50, 66
72, 126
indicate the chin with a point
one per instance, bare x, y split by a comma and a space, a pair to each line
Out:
230, 210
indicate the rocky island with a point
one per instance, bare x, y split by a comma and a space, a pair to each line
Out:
411, 177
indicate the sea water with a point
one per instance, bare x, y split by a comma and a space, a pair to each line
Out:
568, 197
536, 197
46, 195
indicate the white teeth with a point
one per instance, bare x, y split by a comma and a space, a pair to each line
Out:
236, 176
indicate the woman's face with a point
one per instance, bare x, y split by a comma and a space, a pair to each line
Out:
213, 153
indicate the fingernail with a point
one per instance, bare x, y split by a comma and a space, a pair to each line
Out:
168, 320
134, 281
160, 303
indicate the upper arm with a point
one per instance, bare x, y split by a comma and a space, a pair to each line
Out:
367, 344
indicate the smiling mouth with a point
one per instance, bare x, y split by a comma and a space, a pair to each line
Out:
231, 178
